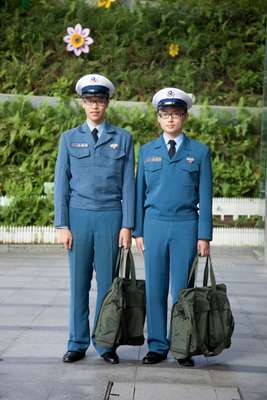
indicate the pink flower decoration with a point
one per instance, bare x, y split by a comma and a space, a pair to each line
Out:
78, 39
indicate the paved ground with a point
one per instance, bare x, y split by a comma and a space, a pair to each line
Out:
33, 333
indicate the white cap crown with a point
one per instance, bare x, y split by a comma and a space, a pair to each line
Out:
94, 84
172, 97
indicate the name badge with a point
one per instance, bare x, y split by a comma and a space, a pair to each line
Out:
153, 159
79, 145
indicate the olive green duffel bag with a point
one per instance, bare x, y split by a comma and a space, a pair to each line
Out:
201, 320
122, 313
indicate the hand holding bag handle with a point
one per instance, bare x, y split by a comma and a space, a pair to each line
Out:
207, 271
125, 265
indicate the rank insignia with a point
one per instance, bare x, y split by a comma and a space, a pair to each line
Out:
153, 159
79, 145
114, 145
190, 159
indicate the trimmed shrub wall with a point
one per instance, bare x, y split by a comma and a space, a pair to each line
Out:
29, 142
220, 48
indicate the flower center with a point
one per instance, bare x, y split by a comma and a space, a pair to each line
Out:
77, 40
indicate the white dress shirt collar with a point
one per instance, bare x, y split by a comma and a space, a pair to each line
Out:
178, 140
99, 127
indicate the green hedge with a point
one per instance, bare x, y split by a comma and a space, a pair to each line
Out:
29, 141
221, 57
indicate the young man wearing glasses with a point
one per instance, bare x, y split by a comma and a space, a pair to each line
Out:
173, 213
94, 207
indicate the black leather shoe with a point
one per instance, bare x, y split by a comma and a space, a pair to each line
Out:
186, 362
111, 357
153, 358
72, 356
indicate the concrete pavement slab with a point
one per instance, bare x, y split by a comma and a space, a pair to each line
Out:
7, 337
245, 378
253, 396
240, 344
18, 315
164, 374
38, 337
33, 334
44, 350
77, 392
159, 391
5, 293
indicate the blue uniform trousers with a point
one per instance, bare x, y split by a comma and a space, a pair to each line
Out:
170, 248
95, 246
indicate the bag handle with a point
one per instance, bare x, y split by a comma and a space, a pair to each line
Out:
193, 269
125, 264
118, 263
129, 266
209, 271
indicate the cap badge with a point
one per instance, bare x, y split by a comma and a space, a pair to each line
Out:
170, 93
114, 145
93, 79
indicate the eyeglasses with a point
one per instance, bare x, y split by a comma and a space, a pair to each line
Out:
174, 115
95, 100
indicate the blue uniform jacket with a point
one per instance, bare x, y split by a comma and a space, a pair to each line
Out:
95, 176
174, 189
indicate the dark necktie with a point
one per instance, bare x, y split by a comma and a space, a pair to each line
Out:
172, 149
94, 133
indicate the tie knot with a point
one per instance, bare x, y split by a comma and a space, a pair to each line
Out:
172, 143
94, 133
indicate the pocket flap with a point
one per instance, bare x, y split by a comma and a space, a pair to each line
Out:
190, 167
117, 155
80, 152
114, 154
152, 166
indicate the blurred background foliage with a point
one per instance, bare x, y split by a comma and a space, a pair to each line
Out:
220, 60
29, 143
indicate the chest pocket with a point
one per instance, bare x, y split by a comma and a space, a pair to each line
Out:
112, 159
80, 152
79, 157
190, 173
114, 155
152, 173
152, 166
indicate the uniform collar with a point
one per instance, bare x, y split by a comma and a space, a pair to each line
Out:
99, 127
178, 139
106, 132
105, 126
183, 151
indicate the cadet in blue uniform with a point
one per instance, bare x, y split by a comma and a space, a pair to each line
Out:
94, 207
173, 213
